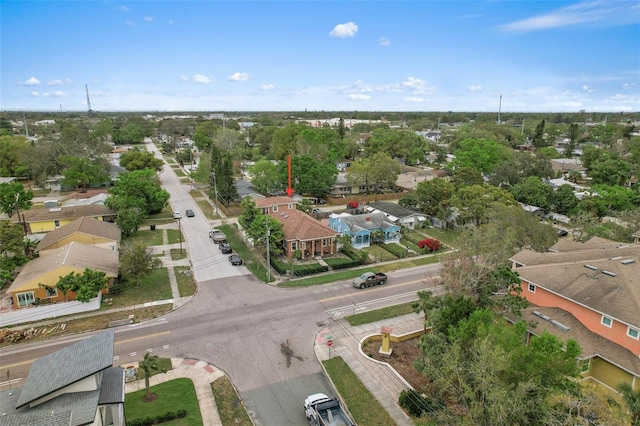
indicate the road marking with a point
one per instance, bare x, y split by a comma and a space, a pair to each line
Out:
116, 357
19, 363
165, 346
133, 339
370, 290
150, 350
133, 353
10, 382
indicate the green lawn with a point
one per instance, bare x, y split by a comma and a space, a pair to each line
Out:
248, 256
173, 236
230, 406
186, 284
380, 254
380, 314
449, 237
154, 286
147, 238
177, 254
173, 395
363, 406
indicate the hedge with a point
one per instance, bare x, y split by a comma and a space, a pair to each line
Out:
342, 263
395, 249
160, 418
298, 270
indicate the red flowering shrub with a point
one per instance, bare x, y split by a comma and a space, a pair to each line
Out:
353, 204
429, 243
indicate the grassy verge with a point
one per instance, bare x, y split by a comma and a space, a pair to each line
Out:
177, 254
92, 323
251, 260
173, 236
365, 409
186, 284
173, 395
450, 238
230, 407
380, 314
154, 286
330, 277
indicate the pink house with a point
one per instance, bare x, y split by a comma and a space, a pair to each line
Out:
590, 292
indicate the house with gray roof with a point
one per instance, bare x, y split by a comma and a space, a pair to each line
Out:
361, 227
398, 214
75, 386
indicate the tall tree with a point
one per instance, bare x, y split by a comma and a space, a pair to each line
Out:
632, 399
474, 202
14, 198
137, 159
85, 285
538, 136
264, 176
480, 154
82, 172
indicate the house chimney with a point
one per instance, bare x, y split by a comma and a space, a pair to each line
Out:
367, 219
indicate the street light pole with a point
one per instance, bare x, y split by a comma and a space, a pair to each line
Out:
180, 235
215, 189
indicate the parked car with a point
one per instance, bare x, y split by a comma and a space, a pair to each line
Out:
369, 279
177, 214
225, 248
235, 259
190, 213
562, 232
316, 210
217, 236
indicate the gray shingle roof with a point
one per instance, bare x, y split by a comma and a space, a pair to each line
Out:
112, 386
394, 209
66, 366
370, 221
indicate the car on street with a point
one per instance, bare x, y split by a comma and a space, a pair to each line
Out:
562, 232
177, 214
225, 248
235, 259
190, 213
217, 236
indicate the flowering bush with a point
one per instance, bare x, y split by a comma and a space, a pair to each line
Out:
353, 204
429, 243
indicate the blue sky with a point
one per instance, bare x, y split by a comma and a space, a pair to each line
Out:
320, 55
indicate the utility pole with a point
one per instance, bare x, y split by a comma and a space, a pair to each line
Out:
499, 109
215, 190
268, 251
89, 111
180, 235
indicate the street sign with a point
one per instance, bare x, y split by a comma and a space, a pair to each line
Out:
329, 343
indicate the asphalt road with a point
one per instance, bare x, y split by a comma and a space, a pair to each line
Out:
260, 335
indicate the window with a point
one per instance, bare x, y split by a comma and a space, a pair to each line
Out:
294, 246
584, 365
607, 321
26, 299
290, 206
532, 288
633, 333
275, 208
324, 242
51, 291
56, 223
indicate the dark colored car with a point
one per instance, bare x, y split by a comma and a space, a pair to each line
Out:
190, 213
225, 248
235, 259
562, 232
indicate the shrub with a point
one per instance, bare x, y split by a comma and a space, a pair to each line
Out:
353, 204
395, 249
416, 404
430, 244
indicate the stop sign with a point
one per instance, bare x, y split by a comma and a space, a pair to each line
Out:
329, 342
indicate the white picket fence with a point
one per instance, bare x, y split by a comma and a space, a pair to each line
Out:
39, 313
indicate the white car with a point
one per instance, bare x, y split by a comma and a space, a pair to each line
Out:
177, 214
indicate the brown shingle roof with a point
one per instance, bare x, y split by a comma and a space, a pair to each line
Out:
68, 212
86, 225
75, 255
301, 226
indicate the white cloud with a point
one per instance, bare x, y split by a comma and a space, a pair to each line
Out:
184, 78
418, 86
239, 76
626, 86
383, 41
30, 82
200, 78
267, 87
413, 99
344, 30
358, 97
123, 8
130, 23
587, 89
36, 94
600, 12
59, 82
148, 19
55, 94
474, 88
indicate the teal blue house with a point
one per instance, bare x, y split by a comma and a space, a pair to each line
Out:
360, 227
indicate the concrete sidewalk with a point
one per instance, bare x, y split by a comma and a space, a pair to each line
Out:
201, 374
384, 383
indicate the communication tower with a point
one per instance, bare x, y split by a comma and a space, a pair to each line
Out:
89, 110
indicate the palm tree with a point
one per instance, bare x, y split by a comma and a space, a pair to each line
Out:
150, 366
632, 398
425, 304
